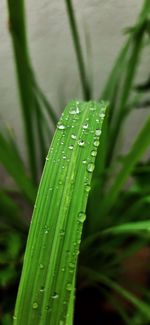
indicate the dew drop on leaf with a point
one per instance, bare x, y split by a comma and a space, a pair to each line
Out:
60, 126
102, 115
81, 216
85, 126
74, 111
93, 153
93, 108
42, 289
35, 305
69, 286
96, 143
73, 136
70, 147
71, 265
87, 187
90, 167
55, 295
61, 322
41, 266
98, 132
81, 143
62, 232
48, 307
83, 161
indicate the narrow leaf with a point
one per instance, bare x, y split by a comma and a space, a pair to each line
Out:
141, 144
78, 50
47, 283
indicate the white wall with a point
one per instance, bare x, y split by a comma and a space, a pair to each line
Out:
53, 54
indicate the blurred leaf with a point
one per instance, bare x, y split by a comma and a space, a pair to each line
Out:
28, 87
14, 165
139, 147
78, 50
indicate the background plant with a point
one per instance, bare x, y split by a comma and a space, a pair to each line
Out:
117, 216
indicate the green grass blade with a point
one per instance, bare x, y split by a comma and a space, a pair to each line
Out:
46, 105
10, 212
131, 227
125, 92
47, 281
10, 159
78, 50
17, 28
29, 90
141, 144
142, 306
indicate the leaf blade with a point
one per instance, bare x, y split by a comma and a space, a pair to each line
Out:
62, 213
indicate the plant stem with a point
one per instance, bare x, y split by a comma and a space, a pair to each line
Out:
17, 28
78, 50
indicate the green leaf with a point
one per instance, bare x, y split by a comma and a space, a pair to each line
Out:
28, 86
10, 213
48, 274
9, 157
131, 227
141, 144
78, 50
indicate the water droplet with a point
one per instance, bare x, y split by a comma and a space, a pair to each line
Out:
96, 143
64, 157
63, 269
35, 305
87, 187
60, 182
74, 111
14, 317
81, 216
42, 289
84, 161
90, 167
55, 295
70, 147
62, 232
85, 126
47, 158
73, 136
98, 132
69, 286
60, 126
46, 232
71, 265
92, 108
102, 115
61, 322
81, 143
41, 266
93, 153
